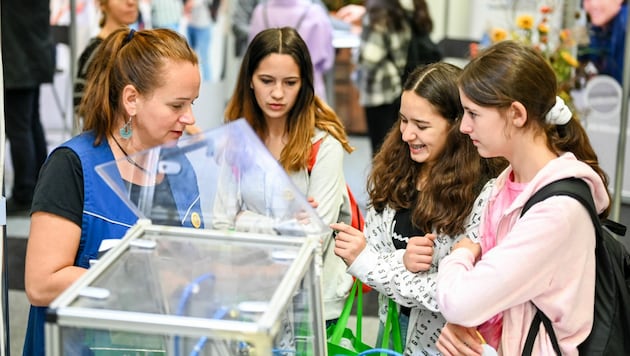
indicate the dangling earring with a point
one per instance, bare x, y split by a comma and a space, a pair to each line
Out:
126, 131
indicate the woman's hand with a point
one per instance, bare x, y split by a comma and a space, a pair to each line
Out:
467, 243
349, 242
350, 13
419, 253
314, 204
459, 340
303, 217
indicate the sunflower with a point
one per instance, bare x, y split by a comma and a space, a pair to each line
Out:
569, 59
498, 34
543, 28
525, 22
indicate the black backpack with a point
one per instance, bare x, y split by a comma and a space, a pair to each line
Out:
422, 51
611, 322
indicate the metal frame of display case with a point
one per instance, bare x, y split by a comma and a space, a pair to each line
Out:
305, 266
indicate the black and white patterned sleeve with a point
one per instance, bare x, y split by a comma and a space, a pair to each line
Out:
474, 219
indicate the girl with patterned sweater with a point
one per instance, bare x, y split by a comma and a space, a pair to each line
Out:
425, 193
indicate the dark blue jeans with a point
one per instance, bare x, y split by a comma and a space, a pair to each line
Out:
404, 327
27, 140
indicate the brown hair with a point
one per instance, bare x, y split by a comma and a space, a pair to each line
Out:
509, 71
309, 111
456, 178
127, 57
389, 13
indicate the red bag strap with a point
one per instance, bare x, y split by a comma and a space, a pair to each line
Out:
313, 158
357, 217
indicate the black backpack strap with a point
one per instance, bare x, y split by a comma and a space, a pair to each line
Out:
533, 332
578, 189
615, 227
574, 187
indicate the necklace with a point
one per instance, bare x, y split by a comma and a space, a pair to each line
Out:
129, 159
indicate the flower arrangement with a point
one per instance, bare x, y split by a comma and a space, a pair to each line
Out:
557, 45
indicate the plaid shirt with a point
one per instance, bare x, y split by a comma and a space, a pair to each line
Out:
382, 57
166, 13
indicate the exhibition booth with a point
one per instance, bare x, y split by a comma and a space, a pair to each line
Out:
253, 290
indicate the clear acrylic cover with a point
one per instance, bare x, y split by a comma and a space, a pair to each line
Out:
223, 179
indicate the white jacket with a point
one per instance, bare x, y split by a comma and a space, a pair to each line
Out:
236, 208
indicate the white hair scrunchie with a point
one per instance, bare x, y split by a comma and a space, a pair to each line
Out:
407, 4
560, 114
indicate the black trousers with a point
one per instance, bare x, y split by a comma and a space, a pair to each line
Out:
26, 138
380, 120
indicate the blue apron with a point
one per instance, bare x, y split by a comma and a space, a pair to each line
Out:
101, 222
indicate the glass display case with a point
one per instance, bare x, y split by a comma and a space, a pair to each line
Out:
181, 291
206, 270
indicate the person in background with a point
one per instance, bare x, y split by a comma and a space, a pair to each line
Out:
382, 58
275, 94
114, 15
608, 21
199, 32
546, 258
425, 194
27, 63
140, 94
351, 13
242, 14
312, 23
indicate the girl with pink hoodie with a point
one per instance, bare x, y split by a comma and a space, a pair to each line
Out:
487, 291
